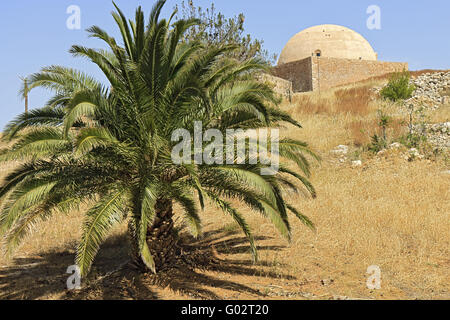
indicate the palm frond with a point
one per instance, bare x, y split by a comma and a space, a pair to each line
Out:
238, 218
99, 221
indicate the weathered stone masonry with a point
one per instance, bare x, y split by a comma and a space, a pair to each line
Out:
321, 73
297, 72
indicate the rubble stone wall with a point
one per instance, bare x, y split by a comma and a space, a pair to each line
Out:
321, 73
330, 72
297, 72
280, 86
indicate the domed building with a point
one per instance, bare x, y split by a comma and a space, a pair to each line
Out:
327, 56
327, 41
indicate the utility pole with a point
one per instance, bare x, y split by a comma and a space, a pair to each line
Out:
25, 93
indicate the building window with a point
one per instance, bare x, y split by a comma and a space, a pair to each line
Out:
318, 53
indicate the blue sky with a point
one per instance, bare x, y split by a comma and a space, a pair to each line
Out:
34, 33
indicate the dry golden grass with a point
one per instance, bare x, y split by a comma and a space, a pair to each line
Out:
446, 92
392, 215
418, 73
361, 130
348, 100
415, 74
389, 212
378, 215
442, 115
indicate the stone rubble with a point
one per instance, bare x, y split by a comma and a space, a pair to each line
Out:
438, 134
340, 150
356, 163
395, 145
414, 152
430, 90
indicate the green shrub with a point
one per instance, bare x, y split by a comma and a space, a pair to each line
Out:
380, 141
398, 87
377, 144
413, 140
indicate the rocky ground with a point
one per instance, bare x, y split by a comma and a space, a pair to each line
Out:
432, 90
438, 134
432, 93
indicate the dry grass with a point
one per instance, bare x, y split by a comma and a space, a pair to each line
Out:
389, 212
361, 131
350, 100
418, 73
443, 115
446, 92
379, 216
354, 100
414, 74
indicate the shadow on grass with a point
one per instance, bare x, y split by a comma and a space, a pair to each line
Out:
45, 276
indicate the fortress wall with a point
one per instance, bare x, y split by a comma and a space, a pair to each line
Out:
314, 73
298, 72
331, 72
280, 86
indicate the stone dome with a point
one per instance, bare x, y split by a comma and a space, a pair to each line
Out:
330, 41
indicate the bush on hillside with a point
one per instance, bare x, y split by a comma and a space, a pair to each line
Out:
399, 87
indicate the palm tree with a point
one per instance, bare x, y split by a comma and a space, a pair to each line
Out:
110, 146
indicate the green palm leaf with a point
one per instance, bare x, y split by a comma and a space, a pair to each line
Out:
99, 221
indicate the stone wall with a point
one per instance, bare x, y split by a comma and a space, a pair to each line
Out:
280, 86
331, 72
321, 73
298, 72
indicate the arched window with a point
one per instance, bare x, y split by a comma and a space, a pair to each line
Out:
318, 53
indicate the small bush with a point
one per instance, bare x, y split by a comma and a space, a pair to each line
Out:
377, 144
398, 87
413, 140
380, 141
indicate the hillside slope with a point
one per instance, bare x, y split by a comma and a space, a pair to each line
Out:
390, 209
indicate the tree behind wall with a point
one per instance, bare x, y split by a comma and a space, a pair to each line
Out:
216, 29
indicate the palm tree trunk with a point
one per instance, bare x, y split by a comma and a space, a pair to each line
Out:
162, 239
